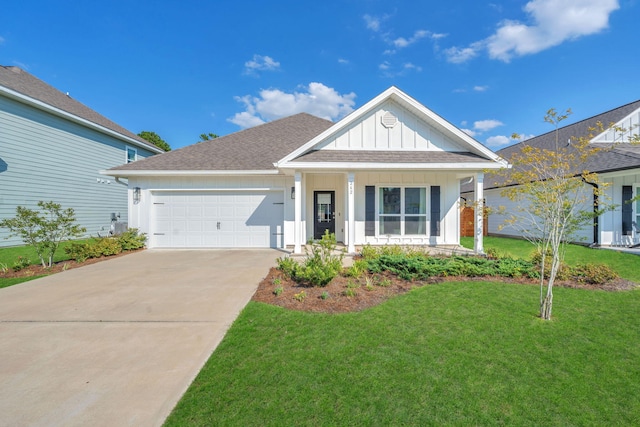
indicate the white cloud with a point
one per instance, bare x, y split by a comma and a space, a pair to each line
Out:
501, 141
458, 56
384, 66
480, 88
261, 63
343, 61
401, 42
552, 23
411, 66
485, 125
498, 141
246, 120
469, 132
271, 104
372, 23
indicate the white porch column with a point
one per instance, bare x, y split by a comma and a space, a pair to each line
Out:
297, 215
351, 206
479, 214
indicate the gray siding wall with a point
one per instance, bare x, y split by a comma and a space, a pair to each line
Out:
45, 157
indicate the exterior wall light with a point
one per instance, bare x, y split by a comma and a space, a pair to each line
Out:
136, 195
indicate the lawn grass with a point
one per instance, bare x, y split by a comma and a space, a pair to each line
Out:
9, 255
6, 282
627, 265
463, 353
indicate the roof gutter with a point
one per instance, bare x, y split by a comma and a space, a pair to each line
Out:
143, 173
72, 117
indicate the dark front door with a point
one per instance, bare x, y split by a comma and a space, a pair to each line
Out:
324, 213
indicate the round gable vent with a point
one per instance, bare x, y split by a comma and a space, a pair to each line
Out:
389, 120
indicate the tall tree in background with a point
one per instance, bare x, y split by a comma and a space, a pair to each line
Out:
155, 139
207, 136
553, 195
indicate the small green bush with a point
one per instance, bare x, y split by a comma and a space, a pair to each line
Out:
288, 266
321, 264
78, 251
131, 240
21, 263
358, 268
106, 246
594, 274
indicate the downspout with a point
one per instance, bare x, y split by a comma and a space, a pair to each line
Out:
596, 217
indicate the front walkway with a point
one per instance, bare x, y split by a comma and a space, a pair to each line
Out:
117, 343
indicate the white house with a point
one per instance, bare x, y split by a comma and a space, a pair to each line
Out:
389, 173
617, 165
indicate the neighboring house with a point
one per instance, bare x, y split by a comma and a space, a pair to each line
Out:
617, 164
389, 173
52, 148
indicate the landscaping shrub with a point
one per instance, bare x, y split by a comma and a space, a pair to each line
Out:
415, 267
106, 246
320, 266
358, 268
594, 274
78, 251
131, 240
21, 263
288, 266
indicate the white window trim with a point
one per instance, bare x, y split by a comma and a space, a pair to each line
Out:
402, 215
126, 154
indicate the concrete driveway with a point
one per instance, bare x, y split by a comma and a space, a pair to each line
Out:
117, 343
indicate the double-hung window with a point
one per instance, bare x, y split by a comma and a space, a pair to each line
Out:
402, 210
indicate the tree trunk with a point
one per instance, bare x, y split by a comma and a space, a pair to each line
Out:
545, 307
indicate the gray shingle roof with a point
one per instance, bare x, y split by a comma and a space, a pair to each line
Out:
20, 81
368, 156
257, 148
618, 157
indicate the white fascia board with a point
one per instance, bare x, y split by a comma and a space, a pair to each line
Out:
396, 166
128, 173
72, 117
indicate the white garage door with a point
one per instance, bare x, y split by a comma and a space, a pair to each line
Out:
217, 219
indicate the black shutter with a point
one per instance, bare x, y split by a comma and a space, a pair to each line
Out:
370, 210
627, 210
435, 210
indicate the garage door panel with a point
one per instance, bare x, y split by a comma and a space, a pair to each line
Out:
210, 219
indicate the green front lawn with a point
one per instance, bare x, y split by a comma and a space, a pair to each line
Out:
627, 265
458, 353
8, 256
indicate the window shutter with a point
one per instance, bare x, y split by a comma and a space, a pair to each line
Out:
627, 210
435, 210
370, 210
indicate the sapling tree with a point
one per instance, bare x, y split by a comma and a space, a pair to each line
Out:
554, 198
44, 230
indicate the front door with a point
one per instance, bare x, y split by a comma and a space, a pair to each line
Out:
325, 213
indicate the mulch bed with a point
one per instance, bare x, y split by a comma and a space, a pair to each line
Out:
336, 301
39, 270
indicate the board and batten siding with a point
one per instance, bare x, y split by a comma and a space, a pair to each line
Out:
409, 133
45, 157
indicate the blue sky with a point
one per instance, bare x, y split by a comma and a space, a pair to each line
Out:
182, 68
